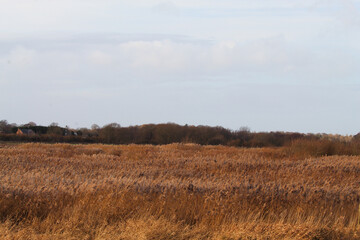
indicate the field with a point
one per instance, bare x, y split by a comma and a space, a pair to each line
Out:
177, 191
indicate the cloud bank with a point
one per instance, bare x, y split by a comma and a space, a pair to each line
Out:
270, 65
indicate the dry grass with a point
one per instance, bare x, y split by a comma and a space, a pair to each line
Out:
177, 191
321, 147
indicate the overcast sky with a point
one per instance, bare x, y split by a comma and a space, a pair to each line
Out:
271, 65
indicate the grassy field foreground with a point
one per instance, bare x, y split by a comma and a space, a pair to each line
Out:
177, 191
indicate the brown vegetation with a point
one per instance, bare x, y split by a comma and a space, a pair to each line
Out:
160, 134
177, 191
323, 147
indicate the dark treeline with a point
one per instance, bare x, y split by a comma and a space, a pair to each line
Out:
158, 134
205, 135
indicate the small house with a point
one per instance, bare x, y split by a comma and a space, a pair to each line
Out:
25, 132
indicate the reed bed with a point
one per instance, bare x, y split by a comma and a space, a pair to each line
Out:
177, 191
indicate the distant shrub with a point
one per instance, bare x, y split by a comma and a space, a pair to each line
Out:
322, 147
357, 137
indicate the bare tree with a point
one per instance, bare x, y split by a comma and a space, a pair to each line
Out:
5, 127
54, 124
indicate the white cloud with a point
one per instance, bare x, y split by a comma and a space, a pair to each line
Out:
100, 58
166, 7
350, 13
165, 55
174, 60
21, 57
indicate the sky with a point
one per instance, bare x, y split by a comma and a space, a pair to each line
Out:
270, 65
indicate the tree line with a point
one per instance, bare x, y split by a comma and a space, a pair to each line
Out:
156, 134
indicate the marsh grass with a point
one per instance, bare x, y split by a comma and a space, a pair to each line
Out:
178, 191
